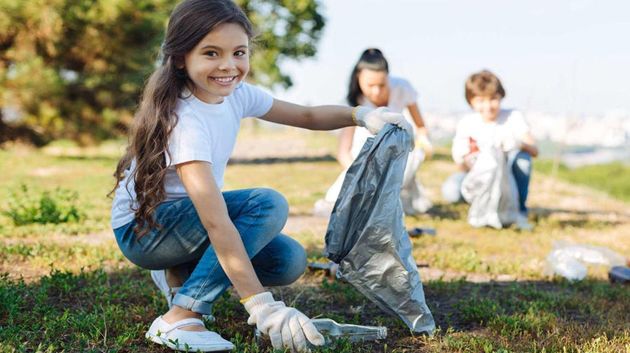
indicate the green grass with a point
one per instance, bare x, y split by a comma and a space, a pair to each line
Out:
612, 178
67, 288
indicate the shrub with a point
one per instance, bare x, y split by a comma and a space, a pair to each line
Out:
27, 207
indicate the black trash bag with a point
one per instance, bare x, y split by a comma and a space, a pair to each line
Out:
366, 234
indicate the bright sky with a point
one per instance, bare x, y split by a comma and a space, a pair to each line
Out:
564, 56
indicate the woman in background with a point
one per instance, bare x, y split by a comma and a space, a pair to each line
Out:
372, 86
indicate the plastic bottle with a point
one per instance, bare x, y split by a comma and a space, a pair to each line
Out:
331, 330
354, 333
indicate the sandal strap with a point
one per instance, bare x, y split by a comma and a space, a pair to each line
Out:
184, 323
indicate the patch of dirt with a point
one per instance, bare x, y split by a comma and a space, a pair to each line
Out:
44, 172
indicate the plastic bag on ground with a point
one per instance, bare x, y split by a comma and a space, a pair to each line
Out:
366, 234
568, 260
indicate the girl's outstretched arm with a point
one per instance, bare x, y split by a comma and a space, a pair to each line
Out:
330, 117
203, 191
325, 117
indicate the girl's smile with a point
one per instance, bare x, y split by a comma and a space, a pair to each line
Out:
225, 80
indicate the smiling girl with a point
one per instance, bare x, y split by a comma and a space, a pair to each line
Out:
169, 210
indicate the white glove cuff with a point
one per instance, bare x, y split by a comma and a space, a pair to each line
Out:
359, 113
260, 298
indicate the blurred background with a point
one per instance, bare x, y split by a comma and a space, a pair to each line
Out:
564, 63
74, 70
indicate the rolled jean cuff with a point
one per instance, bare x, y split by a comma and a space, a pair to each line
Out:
192, 304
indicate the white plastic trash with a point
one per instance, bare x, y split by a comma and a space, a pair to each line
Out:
568, 260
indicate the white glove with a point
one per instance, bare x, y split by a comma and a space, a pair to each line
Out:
422, 141
375, 119
286, 327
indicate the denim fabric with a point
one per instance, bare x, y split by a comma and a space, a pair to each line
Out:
521, 163
522, 171
258, 214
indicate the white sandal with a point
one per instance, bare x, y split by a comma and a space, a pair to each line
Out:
171, 335
159, 278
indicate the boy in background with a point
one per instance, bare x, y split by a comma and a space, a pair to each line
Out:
491, 126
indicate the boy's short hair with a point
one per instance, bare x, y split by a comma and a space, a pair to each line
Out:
483, 84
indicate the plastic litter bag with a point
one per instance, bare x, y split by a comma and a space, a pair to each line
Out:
414, 197
568, 260
490, 189
366, 235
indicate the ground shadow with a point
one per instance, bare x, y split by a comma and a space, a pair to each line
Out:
448, 211
95, 158
587, 219
546, 212
278, 160
439, 156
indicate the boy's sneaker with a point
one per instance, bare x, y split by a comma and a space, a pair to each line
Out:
159, 278
523, 224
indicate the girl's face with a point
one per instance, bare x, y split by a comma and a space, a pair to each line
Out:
374, 86
488, 107
218, 63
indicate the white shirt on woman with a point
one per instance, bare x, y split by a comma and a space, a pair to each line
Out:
401, 95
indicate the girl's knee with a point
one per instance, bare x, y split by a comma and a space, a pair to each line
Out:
274, 204
294, 258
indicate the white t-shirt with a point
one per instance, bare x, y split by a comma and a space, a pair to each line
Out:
204, 132
401, 95
509, 128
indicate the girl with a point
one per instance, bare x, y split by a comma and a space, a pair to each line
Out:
372, 85
169, 212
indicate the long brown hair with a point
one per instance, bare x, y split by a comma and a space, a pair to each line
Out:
189, 23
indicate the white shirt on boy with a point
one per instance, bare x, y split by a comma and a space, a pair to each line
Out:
506, 132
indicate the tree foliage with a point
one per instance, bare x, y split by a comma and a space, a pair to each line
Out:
76, 68
287, 29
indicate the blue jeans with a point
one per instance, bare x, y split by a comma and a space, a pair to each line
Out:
521, 162
258, 214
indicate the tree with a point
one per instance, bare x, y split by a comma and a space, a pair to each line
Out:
75, 68
288, 29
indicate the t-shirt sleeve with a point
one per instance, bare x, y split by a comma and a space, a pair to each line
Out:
410, 95
189, 141
255, 101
